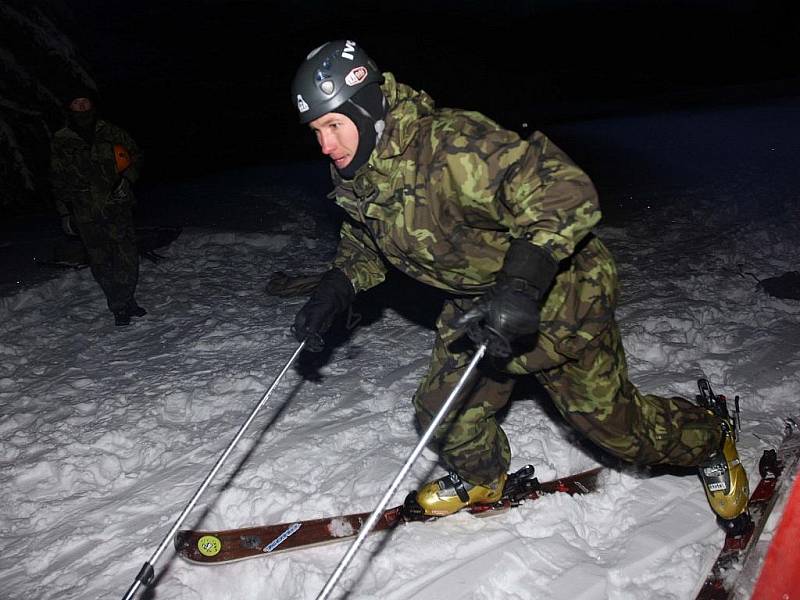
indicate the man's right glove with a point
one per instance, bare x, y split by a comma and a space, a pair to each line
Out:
510, 309
332, 296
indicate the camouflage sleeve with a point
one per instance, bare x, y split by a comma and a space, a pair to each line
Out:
120, 136
553, 202
359, 258
530, 187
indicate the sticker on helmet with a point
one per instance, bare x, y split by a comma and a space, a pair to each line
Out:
301, 104
349, 50
356, 76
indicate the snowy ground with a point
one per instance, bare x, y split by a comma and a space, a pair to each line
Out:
106, 433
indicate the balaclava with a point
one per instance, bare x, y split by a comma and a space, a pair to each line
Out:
367, 109
82, 122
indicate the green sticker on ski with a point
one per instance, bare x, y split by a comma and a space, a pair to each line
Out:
209, 545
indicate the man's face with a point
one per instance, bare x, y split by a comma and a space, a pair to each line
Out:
337, 136
80, 105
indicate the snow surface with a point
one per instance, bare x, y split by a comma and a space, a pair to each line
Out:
106, 433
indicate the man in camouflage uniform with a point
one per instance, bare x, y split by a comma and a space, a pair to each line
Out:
93, 164
504, 225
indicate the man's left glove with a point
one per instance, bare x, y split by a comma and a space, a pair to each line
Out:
510, 309
332, 296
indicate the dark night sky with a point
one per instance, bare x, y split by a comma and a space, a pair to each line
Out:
204, 85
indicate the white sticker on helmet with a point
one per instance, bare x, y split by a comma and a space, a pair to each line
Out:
349, 50
356, 76
302, 106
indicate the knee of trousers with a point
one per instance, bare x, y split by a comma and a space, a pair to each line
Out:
651, 430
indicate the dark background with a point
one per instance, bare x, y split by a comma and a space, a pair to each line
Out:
648, 96
204, 85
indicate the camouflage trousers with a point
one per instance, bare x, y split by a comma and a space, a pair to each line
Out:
579, 359
113, 257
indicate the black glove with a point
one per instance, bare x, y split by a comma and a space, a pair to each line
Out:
333, 295
510, 309
121, 190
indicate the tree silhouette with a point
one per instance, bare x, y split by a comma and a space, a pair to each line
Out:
38, 63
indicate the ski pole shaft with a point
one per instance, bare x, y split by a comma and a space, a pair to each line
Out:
376, 514
146, 574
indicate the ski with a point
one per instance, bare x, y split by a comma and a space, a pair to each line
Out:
215, 547
775, 467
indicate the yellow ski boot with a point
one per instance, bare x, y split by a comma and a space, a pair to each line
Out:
450, 494
725, 479
723, 476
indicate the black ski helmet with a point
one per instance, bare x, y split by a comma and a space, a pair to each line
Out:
329, 76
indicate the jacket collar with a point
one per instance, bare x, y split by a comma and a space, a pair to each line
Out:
98, 126
406, 107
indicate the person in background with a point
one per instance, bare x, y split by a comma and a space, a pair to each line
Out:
504, 226
93, 165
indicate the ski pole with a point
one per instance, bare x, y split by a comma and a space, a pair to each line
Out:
146, 574
376, 514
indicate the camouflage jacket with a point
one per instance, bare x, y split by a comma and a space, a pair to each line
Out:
84, 176
445, 191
